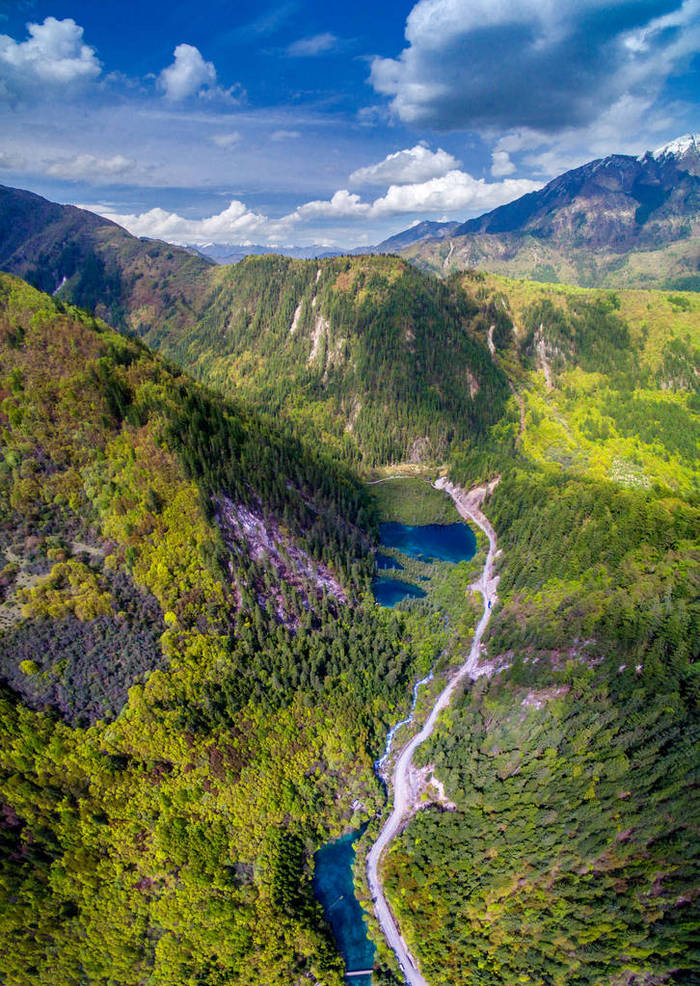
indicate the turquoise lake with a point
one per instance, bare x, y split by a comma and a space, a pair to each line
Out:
389, 592
427, 542
333, 883
333, 886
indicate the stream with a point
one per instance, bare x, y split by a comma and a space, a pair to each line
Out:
333, 871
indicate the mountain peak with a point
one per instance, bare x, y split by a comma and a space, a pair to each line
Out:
676, 148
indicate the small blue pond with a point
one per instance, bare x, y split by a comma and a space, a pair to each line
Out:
334, 889
385, 562
446, 542
427, 542
389, 592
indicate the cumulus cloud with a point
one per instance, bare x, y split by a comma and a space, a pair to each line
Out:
414, 164
342, 205
541, 64
53, 56
319, 44
235, 223
190, 75
187, 75
90, 168
501, 164
453, 192
456, 191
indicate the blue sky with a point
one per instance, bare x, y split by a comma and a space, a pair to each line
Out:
296, 123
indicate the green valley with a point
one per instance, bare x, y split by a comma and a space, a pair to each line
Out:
568, 855
198, 682
198, 685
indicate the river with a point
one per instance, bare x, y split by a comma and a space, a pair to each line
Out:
333, 872
468, 504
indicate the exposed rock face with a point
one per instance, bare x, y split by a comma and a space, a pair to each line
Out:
261, 538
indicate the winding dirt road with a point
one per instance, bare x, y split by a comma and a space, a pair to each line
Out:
468, 505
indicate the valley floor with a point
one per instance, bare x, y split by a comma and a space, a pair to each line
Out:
402, 782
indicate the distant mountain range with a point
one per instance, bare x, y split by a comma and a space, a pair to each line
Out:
232, 253
618, 221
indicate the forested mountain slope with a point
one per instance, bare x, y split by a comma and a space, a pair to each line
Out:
366, 352
193, 687
373, 355
607, 383
196, 680
571, 854
91, 262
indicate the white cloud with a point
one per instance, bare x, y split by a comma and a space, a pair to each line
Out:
226, 140
342, 205
10, 161
230, 226
501, 164
189, 75
454, 192
54, 55
563, 64
319, 44
414, 164
629, 126
285, 135
90, 168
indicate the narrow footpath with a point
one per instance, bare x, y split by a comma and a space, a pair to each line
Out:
468, 504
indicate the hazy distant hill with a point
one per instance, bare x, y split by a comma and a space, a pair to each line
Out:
232, 253
619, 221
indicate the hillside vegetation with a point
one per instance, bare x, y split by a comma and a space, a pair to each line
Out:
571, 854
605, 384
194, 686
366, 353
672, 266
91, 262
195, 678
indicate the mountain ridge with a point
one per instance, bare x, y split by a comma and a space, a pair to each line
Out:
615, 221
296, 336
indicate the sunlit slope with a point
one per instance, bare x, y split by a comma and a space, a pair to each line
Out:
569, 855
192, 690
375, 358
607, 383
